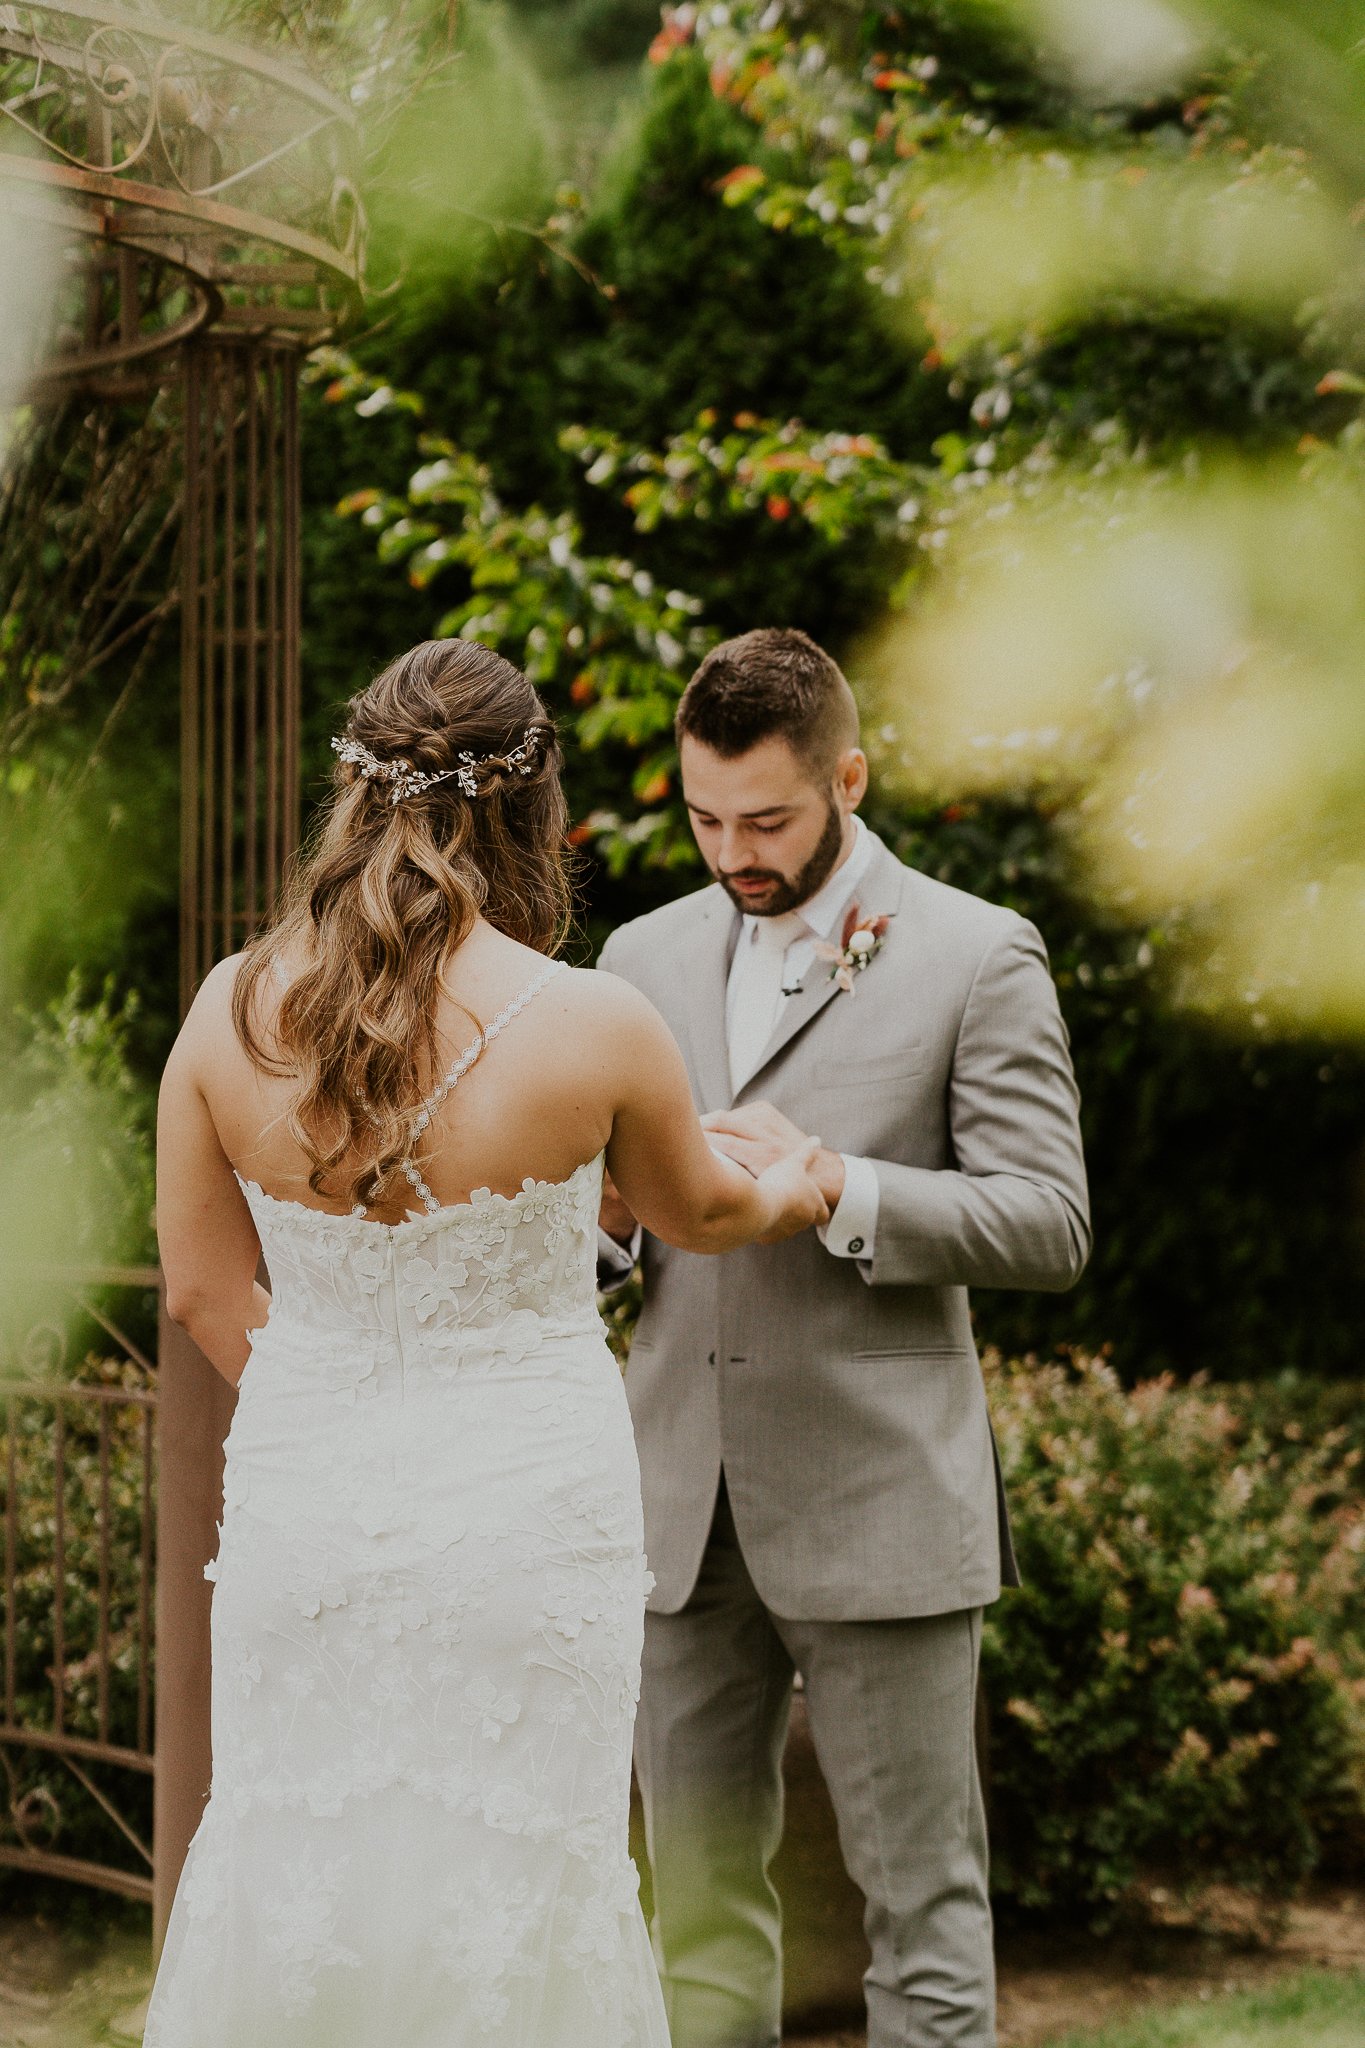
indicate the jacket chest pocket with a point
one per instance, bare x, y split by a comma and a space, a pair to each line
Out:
867, 1070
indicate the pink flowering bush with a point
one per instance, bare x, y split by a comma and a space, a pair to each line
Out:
1177, 1694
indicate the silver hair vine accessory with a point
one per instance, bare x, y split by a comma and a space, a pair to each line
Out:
409, 781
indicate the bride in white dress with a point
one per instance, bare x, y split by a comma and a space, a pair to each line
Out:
429, 1588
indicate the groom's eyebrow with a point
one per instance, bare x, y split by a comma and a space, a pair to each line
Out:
769, 811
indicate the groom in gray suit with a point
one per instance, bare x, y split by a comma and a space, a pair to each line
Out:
821, 1489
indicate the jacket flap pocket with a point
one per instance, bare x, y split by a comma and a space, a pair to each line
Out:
917, 1354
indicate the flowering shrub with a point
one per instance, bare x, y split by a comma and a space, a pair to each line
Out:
1178, 1690
841, 483
879, 133
610, 644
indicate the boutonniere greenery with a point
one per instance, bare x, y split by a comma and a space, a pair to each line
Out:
859, 945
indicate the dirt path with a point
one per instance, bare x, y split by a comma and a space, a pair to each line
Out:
65, 1988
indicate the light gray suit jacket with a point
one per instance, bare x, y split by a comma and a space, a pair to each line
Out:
844, 1398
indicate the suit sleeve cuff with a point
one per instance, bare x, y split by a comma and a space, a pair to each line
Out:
852, 1230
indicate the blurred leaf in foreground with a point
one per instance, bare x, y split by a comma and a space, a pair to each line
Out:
78, 1181
1178, 662
1038, 241
464, 161
1115, 49
29, 255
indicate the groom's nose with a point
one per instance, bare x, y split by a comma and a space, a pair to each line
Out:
736, 852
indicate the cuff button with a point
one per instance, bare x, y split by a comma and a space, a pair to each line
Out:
855, 1244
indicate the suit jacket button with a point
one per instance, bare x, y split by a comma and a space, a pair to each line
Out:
710, 1358
855, 1244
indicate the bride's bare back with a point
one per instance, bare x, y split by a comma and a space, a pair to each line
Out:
537, 1101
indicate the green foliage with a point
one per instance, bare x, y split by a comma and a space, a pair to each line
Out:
1178, 1690
465, 153
75, 1127
609, 648
610, 644
882, 135
1073, 643
616, 31
673, 302
706, 312
637, 310
837, 482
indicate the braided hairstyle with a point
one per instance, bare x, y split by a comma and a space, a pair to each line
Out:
385, 892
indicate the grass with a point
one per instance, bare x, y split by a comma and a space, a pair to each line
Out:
1320, 2009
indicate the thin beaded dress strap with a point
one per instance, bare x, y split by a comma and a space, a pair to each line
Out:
432, 1102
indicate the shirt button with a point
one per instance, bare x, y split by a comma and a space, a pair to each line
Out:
855, 1244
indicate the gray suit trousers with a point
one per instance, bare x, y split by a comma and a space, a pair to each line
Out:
892, 1710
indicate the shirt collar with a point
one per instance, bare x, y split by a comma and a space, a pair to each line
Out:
821, 912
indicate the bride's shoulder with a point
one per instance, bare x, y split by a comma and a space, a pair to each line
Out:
211, 1020
206, 1037
590, 989
604, 998
214, 996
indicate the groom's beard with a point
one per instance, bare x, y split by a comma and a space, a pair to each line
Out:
790, 892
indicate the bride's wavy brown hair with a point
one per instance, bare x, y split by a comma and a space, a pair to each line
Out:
386, 891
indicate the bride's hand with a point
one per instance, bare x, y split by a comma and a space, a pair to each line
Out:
796, 1198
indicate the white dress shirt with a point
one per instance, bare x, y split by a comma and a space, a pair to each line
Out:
762, 976
852, 1228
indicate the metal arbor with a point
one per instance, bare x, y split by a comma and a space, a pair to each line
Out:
202, 195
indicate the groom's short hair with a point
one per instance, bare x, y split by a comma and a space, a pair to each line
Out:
771, 683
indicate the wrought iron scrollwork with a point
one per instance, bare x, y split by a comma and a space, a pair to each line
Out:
215, 185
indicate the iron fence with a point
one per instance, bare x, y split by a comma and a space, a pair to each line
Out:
79, 1466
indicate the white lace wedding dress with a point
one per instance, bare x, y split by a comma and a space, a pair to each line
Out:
427, 1623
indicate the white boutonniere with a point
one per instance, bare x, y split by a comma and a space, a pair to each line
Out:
858, 947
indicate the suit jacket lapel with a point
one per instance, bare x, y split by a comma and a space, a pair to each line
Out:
878, 893
707, 969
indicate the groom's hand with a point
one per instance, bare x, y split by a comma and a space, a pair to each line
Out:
614, 1217
758, 1135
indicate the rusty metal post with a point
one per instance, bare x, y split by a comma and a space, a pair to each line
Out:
239, 803
239, 664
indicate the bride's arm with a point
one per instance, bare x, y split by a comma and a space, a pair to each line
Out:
658, 1155
209, 1248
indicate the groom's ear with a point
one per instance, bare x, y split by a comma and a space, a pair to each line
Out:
850, 777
